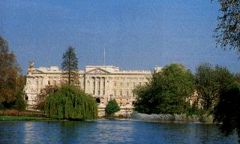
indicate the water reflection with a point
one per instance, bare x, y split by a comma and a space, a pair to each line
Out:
29, 134
105, 131
113, 132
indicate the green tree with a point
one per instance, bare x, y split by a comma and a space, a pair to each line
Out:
11, 82
228, 37
69, 102
227, 110
209, 82
145, 102
20, 103
166, 91
112, 107
228, 28
70, 66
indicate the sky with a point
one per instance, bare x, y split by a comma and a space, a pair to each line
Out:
136, 34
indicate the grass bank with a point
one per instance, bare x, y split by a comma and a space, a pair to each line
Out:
14, 112
15, 115
23, 118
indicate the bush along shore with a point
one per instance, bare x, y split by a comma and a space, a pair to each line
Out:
172, 118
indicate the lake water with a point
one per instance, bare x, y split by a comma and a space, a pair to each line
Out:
110, 131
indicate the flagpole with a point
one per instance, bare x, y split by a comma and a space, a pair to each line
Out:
104, 55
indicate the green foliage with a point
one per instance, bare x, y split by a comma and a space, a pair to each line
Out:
8, 73
11, 82
20, 103
227, 110
228, 31
70, 66
70, 103
194, 110
112, 107
209, 82
166, 92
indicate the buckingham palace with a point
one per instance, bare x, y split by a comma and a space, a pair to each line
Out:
102, 82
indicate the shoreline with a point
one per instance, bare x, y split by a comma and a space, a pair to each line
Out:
173, 118
39, 119
14, 115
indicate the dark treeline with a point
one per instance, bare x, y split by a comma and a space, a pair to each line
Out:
227, 34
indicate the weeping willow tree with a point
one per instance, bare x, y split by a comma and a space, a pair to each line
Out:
70, 103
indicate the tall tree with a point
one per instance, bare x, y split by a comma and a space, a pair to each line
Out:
166, 92
228, 28
209, 82
10, 79
228, 37
70, 66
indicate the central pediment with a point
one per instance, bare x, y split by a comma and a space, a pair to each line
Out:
36, 71
97, 71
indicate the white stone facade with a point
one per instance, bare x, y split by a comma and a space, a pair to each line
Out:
102, 82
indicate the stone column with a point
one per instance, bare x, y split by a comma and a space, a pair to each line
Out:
88, 85
104, 86
93, 86
100, 86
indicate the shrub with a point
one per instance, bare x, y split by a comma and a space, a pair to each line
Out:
112, 107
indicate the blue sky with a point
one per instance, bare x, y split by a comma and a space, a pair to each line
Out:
137, 34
